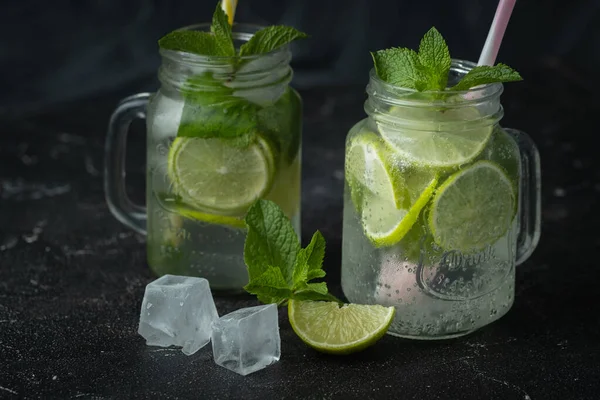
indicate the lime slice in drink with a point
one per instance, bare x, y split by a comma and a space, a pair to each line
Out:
443, 139
472, 208
215, 176
388, 199
212, 219
329, 328
370, 172
504, 151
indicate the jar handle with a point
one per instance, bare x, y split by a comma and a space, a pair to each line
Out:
530, 199
129, 213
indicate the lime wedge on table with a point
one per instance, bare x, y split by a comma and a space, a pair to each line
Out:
437, 138
388, 200
327, 327
472, 208
215, 176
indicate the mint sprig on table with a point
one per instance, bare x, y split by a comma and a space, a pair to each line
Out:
211, 107
427, 69
278, 268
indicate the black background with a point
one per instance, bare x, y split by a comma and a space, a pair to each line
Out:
63, 50
72, 277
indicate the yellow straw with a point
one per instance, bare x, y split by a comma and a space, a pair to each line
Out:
229, 7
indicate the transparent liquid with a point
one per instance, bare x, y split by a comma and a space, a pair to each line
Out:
180, 245
438, 293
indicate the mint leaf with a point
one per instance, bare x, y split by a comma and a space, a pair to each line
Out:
320, 288
211, 110
299, 276
314, 296
434, 56
221, 30
196, 42
270, 287
271, 241
310, 261
315, 253
401, 67
270, 38
483, 74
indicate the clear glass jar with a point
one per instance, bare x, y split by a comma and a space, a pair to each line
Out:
221, 133
440, 205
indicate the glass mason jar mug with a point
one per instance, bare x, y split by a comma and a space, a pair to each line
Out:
221, 133
440, 205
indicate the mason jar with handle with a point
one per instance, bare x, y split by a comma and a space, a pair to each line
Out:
222, 132
440, 205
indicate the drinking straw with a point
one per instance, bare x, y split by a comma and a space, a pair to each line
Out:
229, 7
496, 33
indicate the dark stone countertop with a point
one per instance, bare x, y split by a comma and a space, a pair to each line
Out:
72, 277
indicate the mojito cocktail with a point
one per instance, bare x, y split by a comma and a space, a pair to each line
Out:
432, 206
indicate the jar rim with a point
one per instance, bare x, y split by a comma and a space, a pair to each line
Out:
240, 31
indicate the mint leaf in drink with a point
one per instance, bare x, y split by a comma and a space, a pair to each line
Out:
191, 42
221, 30
434, 56
279, 269
484, 74
281, 125
211, 110
271, 241
401, 67
428, 69
270, 38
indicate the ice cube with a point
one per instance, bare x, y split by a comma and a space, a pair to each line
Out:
177, 311
167, 116
247, 340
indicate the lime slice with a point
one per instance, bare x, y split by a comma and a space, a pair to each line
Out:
504, 151
386, 226
215, 176
327, 327
212, 219
370, 172
178, 209
437, 138
388, 200
472, 208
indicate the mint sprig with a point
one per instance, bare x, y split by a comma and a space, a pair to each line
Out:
219, 42
428, 69
278, 268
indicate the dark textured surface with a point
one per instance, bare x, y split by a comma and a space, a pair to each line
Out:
72, 277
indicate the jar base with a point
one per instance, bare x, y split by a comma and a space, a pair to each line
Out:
440, 337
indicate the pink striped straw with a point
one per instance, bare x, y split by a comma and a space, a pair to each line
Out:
496, 33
